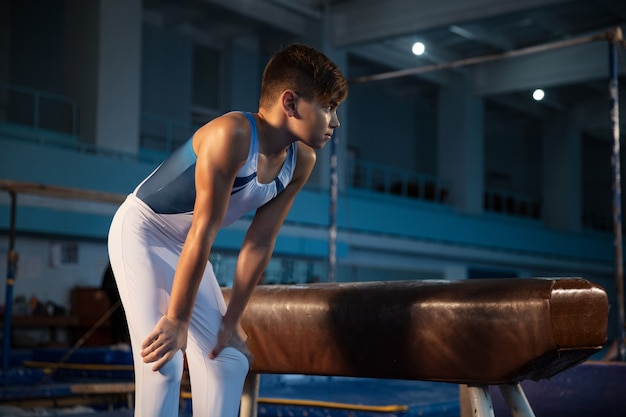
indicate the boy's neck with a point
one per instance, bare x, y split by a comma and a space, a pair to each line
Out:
272, 132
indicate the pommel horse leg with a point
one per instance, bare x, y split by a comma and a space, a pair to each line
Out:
250, 396
481, 405
516, 400
479, 401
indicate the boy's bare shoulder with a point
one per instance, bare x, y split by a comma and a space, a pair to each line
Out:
227, 129
229, 124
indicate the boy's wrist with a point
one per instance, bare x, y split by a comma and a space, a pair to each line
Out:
229, 321
178, 320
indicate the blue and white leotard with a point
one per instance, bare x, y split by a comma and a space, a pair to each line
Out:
170, 188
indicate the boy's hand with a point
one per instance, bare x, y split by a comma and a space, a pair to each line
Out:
168, 337
230, 337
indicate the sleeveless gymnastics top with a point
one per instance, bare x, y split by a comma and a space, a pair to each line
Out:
170, 188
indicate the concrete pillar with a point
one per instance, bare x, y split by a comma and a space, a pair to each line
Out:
241, 61
103, 70
562, 174
460, 155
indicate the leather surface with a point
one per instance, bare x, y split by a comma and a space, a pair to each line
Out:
470, 331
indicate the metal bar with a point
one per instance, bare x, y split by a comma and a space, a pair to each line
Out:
60, 192
607, 35
74, 119
332, 215
617, 194
250, 396
11, 275
36, 115
391, 408
516, 400
480, 400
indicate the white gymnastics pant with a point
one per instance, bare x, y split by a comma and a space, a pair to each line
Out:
144, 248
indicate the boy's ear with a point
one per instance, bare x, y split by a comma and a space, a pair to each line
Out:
288, 101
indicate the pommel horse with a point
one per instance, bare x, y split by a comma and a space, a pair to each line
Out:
477, 333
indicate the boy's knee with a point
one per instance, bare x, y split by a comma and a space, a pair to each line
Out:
172, 371
232, 363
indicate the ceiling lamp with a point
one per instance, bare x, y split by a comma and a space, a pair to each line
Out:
538, 94
418, 48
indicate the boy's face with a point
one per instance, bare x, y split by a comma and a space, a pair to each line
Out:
316, 122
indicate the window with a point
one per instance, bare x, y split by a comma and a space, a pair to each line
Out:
205, 88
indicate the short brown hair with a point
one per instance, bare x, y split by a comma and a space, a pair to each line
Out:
305, 70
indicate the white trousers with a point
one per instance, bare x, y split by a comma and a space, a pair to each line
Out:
144, 248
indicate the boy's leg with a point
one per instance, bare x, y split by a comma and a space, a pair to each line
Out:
144, 278
216, 384
157, 394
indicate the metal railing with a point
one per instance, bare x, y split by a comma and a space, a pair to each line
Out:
511, 203
396, 181
38, 109
161, 134
414, 185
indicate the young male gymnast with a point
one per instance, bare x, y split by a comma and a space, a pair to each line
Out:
162, 235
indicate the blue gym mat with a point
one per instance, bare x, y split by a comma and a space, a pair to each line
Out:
411, 398
592, 388
316, 396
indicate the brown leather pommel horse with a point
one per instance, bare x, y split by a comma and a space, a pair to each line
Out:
473, 332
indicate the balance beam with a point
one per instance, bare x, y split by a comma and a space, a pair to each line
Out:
473, 332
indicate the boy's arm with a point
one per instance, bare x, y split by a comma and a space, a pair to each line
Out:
216, 167
257, 249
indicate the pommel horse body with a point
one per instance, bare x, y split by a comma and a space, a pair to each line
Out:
473, 332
